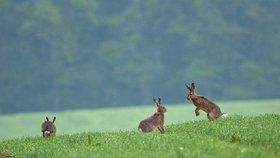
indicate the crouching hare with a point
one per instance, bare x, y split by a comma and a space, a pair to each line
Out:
48, 128
155, 121
213, 111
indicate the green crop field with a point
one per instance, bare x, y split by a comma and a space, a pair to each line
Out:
234, 136
115, 119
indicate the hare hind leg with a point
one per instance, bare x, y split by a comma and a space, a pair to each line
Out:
146, 127
213, 115
210, 117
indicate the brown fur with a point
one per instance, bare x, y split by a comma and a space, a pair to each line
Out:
213, 111
154, 121
6, 156
48, 128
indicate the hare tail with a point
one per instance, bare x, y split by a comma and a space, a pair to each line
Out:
224, 115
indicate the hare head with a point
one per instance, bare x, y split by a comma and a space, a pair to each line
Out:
191, 94
48, 128
160, 108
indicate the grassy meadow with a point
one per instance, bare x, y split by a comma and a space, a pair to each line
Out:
116, 119
234, 136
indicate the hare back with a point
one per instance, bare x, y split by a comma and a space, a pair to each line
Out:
157, 118
48, 126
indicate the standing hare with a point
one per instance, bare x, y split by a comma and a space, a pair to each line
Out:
213, 111
48, 128
155, 121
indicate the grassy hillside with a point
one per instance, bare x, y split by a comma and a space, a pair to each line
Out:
235, 136
114, 119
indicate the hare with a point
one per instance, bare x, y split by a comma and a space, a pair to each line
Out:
213, 111
48, 128
155, 121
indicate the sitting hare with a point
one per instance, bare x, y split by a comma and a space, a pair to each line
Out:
155, 121
48, 128
213, 111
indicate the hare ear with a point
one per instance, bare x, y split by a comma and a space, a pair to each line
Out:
54, 119
192, 86
188, 87
47, 118
159, 100
154, 100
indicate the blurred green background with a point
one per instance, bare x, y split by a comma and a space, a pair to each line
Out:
73, 54
121, 119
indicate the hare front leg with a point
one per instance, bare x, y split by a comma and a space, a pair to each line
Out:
196, 111
161, 129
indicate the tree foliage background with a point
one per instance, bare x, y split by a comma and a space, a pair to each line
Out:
94, 53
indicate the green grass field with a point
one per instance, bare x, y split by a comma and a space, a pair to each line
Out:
234, 136
113, 132
115, 119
